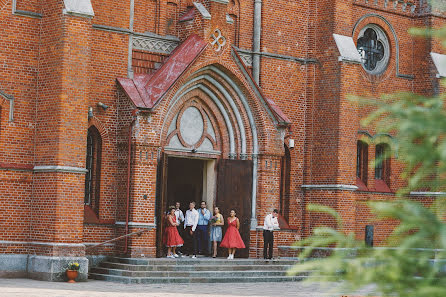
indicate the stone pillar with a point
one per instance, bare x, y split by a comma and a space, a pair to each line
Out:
61, 133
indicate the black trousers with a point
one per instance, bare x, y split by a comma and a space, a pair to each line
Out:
202, 239
268, 243
190, 241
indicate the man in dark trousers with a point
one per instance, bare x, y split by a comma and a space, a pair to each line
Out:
204, 215
190, 225
269, 225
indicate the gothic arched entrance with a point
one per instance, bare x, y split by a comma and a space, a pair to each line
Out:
193, 166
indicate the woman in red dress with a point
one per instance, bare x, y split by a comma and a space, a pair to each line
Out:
232, 239
172, 238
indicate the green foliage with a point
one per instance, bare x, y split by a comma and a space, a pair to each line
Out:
406, 267
413, 263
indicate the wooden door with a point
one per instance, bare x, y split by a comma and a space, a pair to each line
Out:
161, 197
234, 190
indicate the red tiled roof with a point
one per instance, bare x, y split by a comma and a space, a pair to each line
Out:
145, 90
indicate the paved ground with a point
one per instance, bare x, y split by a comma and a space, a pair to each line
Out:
93, 288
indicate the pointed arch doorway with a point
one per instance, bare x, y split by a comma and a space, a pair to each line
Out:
220, 182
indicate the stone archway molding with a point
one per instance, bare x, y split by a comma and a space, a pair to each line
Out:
184, 89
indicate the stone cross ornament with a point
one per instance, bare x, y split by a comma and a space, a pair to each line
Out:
218, 41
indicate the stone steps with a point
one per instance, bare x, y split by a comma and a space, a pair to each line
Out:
201, 267
187, 270
199, 261
161, 280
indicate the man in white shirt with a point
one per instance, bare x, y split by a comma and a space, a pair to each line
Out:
180, 219
269, 225
190, 224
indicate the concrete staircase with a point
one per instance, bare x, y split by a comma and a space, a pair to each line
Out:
187, 270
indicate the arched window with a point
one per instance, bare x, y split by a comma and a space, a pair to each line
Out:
93, 166
382, 162
362, 160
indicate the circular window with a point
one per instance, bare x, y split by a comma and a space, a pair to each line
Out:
373, 46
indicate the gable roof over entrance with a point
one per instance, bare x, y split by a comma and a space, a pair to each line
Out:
146, 90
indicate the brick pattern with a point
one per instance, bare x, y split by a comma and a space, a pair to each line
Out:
146, 62
59, 66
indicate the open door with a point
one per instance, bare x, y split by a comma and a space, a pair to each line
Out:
161, 202
234, 190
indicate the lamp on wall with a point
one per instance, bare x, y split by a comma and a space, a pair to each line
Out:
291, 143
90, 112
102, 105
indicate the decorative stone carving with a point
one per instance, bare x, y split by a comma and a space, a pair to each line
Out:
403, 5
154, 44
246, 58
218, 41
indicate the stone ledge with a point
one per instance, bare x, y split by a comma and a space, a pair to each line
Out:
82, 8
37, 267
67, 169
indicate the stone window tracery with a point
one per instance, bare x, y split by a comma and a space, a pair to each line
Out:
192, 129
373, 46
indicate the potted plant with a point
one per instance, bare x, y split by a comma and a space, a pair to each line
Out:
72, 271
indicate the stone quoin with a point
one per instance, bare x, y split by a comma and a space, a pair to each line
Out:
110, 111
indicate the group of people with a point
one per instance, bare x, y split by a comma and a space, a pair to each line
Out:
194, 228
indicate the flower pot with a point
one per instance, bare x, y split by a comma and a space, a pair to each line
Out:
71, 275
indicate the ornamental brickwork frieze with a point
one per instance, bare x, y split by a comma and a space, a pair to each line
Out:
399, 6
154, 44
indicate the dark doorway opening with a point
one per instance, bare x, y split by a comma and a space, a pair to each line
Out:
184, 182
181, 180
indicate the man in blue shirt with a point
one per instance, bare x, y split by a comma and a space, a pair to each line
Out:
204, 215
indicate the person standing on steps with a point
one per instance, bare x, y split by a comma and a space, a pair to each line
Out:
217, 222
232, 240
173, 238
269, 225
180, 220
190, 226
202, 229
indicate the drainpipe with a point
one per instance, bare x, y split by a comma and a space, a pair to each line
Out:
129, 159
256, 41
130, 53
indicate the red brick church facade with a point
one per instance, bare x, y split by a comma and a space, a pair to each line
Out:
110, 111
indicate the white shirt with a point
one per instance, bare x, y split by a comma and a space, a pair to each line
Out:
191, 219
179, 215
270, 223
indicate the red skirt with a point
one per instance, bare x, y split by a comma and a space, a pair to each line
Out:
232, 239
172, 237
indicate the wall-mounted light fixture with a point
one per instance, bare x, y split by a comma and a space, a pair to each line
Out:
291, 143
90, 112
102, 105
